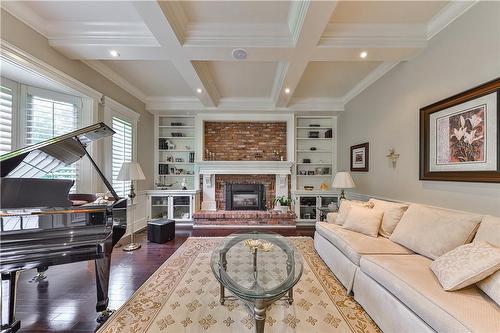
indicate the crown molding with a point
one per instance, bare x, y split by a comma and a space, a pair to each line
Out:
373, 76
116, 78
296, 17
448, 14
25, 14
156, 104
316, 104
374, 35
22, 59
236, 34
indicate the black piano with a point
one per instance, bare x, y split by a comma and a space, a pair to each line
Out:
39, 225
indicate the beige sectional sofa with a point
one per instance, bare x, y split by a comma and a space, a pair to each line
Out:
396, 286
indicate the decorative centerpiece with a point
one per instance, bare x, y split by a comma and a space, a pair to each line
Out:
257, 244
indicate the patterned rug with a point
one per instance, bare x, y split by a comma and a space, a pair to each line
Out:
183, 296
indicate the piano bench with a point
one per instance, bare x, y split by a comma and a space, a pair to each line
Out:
161, 230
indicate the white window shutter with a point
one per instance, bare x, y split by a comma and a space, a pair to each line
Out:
122, 151
6, 103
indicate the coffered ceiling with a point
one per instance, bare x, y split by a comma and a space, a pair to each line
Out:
301, 55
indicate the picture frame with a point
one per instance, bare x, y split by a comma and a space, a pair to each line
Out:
360, 157
460, 138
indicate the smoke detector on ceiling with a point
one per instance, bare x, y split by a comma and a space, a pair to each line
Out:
239, 54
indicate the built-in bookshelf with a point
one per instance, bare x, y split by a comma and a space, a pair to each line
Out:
315, 164
175, 146
315, 152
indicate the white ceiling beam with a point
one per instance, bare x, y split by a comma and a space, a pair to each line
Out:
448, 14
314, 17
164, 31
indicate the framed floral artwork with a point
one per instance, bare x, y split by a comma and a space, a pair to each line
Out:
459, 136
360, 157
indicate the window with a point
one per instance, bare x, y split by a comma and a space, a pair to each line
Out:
122, 151
47, 115
6, 101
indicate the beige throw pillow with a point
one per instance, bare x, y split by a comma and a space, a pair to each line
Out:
392, 215
364, 220
344, 207
489, 231
432, 232
465, 265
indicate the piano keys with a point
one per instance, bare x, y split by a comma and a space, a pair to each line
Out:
39, 226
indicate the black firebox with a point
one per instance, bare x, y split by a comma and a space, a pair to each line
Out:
245, 197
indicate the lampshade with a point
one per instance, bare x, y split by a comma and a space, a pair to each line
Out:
130, 171
343, 180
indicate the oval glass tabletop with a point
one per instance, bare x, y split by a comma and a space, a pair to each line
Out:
255, 264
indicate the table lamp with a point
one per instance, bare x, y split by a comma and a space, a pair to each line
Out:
342, 181
131, 171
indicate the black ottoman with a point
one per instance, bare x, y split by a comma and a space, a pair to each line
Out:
161, 230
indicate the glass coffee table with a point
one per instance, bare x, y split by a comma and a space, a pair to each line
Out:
257, 268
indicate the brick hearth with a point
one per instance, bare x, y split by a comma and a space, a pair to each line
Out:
244, 217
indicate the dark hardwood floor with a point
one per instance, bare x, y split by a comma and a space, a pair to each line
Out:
65, 301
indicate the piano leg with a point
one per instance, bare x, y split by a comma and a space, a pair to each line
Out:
102, 268
9, 286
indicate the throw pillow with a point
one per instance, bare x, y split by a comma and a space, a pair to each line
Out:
432, 231
364, 220
344, 207
331, 217
465, 265
489, 231
392, 215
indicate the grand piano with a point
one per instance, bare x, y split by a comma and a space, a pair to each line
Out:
39, 225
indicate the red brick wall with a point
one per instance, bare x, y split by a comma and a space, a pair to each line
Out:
269, 182
245, 141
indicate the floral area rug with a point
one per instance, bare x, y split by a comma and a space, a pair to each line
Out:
183, 296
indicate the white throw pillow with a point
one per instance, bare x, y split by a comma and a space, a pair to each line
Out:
489, 231
392, 215
331, 217
466, 265
364, 220
344, 207
432, 232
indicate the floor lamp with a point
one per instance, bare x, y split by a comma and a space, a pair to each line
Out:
131, 171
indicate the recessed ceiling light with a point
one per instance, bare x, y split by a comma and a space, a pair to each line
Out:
114, 53
199, 90
239, 54
363, 54
287, 90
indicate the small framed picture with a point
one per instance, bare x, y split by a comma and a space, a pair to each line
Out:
360, 157
459, 136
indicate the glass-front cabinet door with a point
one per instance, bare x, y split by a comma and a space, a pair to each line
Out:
181, 207
159, 207
307, 209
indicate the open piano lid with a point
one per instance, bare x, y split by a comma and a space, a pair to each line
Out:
37, 160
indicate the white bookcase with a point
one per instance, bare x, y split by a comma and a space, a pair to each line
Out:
315, 164
175, 151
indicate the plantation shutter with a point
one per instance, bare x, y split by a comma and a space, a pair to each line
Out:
47, 117
122, 152
6, 102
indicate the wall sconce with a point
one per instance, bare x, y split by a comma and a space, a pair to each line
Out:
393, 157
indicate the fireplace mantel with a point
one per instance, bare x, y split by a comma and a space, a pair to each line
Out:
244, 167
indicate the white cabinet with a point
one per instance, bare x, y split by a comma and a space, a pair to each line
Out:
307, 206
176, 205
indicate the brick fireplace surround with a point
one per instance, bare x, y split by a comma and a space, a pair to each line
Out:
243, 141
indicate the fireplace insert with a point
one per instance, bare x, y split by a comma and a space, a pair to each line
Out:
245, 197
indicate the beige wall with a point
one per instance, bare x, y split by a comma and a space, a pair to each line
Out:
22, 36
464, 55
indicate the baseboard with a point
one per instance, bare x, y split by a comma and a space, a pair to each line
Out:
242, 226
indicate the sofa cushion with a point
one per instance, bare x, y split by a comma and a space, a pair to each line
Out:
331, 217
489, 231
345, 206
393, 212
466, 265
409, 278
364, 220
353, 244
432, 231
